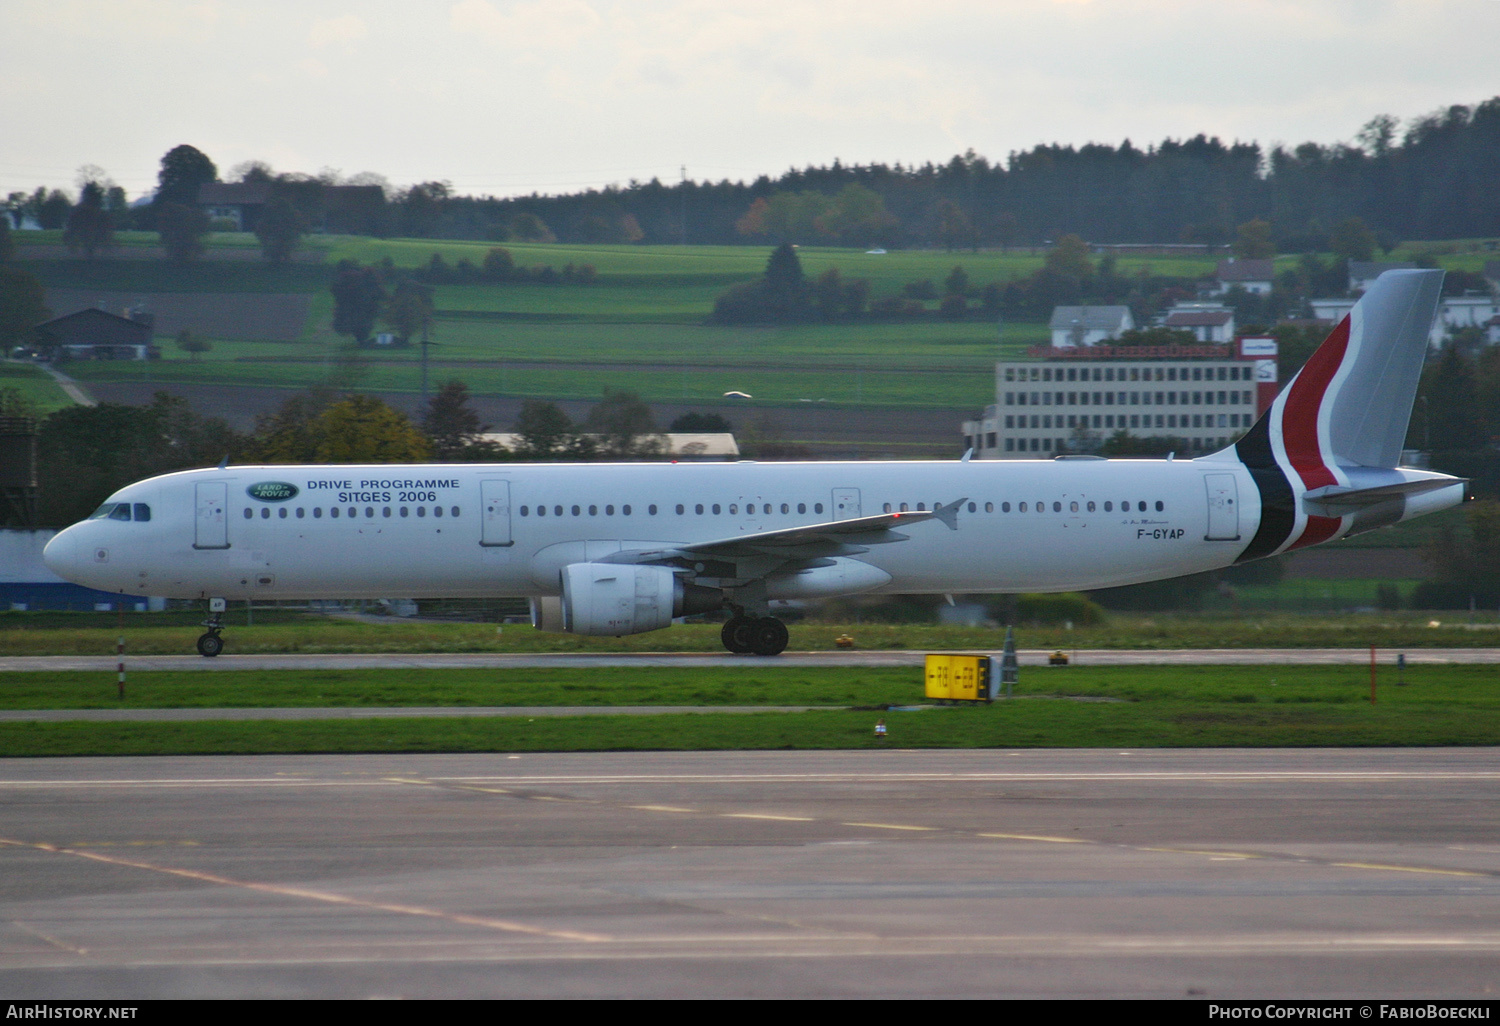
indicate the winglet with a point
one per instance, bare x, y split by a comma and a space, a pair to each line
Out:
224, 463
967, 453
949, 513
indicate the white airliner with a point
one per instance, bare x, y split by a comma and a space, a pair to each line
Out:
623, 548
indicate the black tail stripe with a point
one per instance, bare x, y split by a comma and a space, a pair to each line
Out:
1278, 511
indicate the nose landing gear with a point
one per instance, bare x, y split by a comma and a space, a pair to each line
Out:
209, 642
750, 635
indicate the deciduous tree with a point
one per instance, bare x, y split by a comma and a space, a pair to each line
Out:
193, 344
90, 228
357, 295
23, 305
184, 169
279, 230
181, 229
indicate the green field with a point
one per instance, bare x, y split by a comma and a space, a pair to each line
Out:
1073, 707
640, 325
34, 385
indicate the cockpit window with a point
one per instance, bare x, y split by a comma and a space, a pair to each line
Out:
121, 511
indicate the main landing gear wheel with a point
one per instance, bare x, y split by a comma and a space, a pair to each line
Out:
737, 635
747, 635
210, 644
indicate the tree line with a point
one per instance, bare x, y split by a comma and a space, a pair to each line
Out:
85, 453
1436, 177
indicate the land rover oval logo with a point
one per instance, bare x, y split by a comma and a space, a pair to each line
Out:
272, 491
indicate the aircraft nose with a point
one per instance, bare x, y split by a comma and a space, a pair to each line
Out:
61, 555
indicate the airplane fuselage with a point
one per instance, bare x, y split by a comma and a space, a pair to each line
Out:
509, 529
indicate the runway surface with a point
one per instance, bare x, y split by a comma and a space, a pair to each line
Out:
1224, 873
570, 660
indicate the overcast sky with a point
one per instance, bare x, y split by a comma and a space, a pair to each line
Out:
553, 95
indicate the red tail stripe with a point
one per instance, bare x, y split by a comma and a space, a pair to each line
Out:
1318, 529
1299, 417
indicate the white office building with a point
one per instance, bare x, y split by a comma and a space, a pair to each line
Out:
1205, 395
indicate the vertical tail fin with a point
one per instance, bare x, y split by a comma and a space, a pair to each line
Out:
1347, 408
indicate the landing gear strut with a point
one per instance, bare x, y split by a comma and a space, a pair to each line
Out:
209, 642
749, 635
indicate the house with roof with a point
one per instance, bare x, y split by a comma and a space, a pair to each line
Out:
1471, 310
1254, 276
1492, 274
97, 335
1074, 326
239, 202
1209, 322
1362, 273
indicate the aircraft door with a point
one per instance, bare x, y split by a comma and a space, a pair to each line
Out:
211, 515
845, 503
494, 502
1223, 507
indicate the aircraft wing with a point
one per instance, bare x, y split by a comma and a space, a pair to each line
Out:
749, 556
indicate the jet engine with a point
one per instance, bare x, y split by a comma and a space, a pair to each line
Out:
609, 599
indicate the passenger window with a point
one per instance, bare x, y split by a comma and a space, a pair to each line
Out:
1072, 507
716, 509
317, 512
265, 512
1041, 507
625, 511
1091, 507
1004, 507
557, 511
733, 508
1022, 507
541, 511
142, 511
973, 508
1057, 507
989, 507
248, 514
421, 511
886, 508
1160, 505
904, 507
593, 511
681, 509
1109, 507
369, 512
609, 511
406, 511
281, 513
385, 511
453, 511
817, 507
334, 512
353, 512
787, 509
523, 511
922, 506
801, 507
301, 513
577, 511
437, 511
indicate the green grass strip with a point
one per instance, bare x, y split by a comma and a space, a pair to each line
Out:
1151, 707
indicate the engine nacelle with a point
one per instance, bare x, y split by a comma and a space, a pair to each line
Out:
609, 599
547, 614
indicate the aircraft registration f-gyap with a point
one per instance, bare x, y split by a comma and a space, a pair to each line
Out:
623, 548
